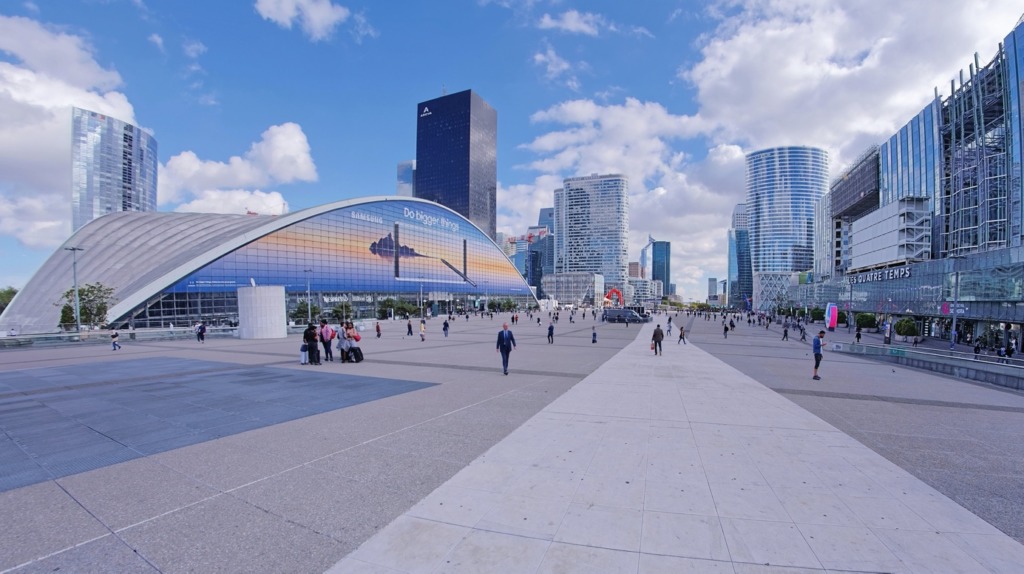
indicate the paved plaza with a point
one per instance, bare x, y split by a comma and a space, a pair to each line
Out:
231, 457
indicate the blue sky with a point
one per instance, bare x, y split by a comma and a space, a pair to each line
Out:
278, 105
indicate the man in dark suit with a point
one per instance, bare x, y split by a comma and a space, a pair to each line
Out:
506, 342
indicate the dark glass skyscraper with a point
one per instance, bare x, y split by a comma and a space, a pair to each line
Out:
457, 156
661, 264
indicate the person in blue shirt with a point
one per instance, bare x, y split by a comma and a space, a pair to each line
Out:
816, 347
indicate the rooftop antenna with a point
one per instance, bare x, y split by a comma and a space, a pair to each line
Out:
444, 90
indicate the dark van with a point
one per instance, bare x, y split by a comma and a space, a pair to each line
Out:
622, 316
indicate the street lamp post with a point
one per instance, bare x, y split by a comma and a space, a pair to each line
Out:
74, 274
849, 309
309, 304
956, 301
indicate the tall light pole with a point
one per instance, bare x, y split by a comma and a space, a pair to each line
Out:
309, 304
74, 274
956, 301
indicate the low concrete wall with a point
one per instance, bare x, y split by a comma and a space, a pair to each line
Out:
960, 365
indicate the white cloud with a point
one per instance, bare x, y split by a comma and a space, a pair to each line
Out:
838, 75
49, 72
574, 22
362, 29
281, 156
54, 54
157, 41
317, 18
553, 64
192, 48
238, 201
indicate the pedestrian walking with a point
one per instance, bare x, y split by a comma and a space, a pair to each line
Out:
656, 339
423, 330
551, 333
785, 333
506, 342
445, 328
816, 346
593, 334
858, 335
377, 328
682, 335
725, 331
201, 332
114, 345
977, 351
408, 328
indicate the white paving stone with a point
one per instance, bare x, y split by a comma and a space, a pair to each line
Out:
682, 465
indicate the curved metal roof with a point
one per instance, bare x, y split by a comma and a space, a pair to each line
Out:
141, 254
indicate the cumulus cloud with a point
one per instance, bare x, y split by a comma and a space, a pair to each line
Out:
574, 22
841, 76
556, 67
157, 41
317, 18
281, 156
239, 201
43, 73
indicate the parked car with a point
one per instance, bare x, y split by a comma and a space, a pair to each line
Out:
623, 316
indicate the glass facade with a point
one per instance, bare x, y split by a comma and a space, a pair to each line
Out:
177, 268
457, 156
661, 262
592, 219
406, 179
113, 167
782, 186
741, 281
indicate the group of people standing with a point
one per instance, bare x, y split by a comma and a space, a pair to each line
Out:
347, 338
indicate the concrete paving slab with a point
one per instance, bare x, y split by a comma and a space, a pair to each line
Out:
128, 493
746, 481
693, 424
107, 554
47, 521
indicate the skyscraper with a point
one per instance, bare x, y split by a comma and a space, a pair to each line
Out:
113, 167
592, 223
741, 281
661, 263
457, 156
406, 186
782, 186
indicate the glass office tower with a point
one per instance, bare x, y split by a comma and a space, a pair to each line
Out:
113, 167
592, 219
457, 156
661, 263
782, 185
740, 286
406, 179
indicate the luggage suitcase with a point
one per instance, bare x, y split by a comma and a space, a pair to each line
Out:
357, 354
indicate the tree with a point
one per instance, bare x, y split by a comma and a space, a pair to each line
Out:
301, 314
841, 318
6, 294
865, 321
817, 314
342, 311
94, 299
398, 308
906, 327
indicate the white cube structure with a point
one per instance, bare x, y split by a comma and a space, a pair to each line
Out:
262, 313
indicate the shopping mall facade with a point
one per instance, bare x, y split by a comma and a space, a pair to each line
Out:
171, 269
930, 223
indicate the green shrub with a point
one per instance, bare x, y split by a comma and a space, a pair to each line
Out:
866, 320
906, 327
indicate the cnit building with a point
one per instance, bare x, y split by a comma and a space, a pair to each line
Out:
929, 224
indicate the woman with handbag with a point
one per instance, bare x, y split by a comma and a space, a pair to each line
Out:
355, 353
